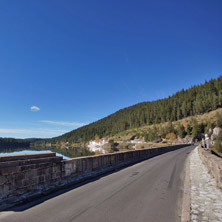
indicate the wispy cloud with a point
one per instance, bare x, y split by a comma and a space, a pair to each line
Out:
34, 108
63, 123
25, 133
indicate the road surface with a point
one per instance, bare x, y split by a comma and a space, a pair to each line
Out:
148, 191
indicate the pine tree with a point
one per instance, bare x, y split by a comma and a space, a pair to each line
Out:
195, 129
181, 130
188, 129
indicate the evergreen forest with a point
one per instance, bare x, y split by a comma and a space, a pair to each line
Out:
196, 100
13, 143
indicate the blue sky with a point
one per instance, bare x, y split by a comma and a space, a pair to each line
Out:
79, 61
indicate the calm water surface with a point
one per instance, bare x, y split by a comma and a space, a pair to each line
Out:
31, 152
65, 153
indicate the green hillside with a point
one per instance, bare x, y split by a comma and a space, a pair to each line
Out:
13, 143
196, 100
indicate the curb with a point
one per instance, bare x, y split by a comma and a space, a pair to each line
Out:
186, 205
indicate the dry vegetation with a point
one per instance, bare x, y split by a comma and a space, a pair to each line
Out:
128, 134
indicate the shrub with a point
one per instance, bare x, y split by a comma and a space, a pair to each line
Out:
181, 130
151, 135
171, 136
111, 141
218, 120
188, 129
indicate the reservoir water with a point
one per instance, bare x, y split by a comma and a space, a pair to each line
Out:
31, 152
65, 153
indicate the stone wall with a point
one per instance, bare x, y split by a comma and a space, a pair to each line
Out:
23, 173
78, 166
24, 176
213, 164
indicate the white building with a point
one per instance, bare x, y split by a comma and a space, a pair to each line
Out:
97, 145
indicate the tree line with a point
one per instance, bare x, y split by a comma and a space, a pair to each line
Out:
13, 143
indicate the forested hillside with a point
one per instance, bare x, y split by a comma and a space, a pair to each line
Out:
13, 143
196, 100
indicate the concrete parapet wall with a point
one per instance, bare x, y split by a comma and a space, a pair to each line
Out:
213, 164
26, 175
22, 176
26, 156
76, 166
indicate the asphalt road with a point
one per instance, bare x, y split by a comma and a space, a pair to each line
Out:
150, 191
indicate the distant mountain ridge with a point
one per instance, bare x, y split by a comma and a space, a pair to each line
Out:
195, 100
